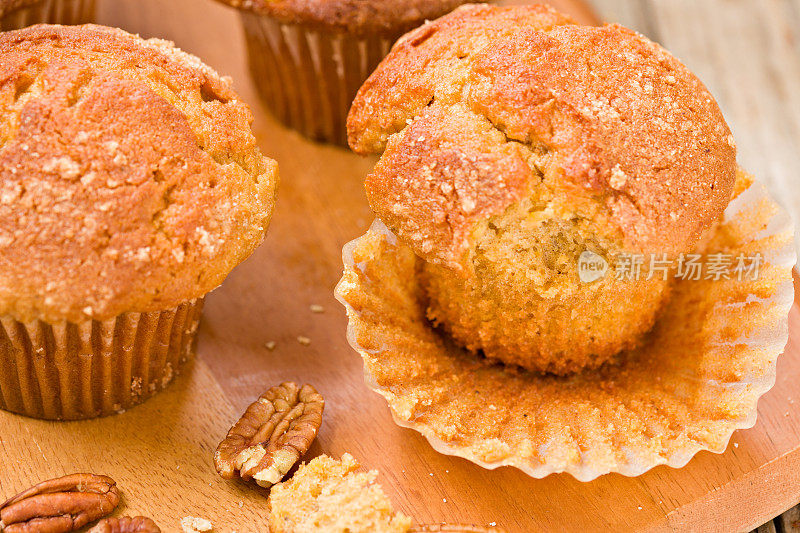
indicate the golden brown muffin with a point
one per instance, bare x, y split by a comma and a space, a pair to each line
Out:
130, 182
15, 14
309, 57
695, 378
329, 495
514, 141
352, 16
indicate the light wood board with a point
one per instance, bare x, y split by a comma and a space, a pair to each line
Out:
160, 453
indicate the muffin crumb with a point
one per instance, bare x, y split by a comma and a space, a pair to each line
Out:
329, 495
191, 524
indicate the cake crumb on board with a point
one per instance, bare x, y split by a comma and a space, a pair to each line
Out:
191, 524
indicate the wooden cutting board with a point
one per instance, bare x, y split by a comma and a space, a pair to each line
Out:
160, 453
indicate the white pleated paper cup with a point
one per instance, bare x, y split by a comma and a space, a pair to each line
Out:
695, 380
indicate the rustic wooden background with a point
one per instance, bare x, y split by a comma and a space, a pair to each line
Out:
748, 53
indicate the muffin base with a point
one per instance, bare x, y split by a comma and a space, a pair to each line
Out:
562, 335
95, 368
695, 380
309, 78
50, 12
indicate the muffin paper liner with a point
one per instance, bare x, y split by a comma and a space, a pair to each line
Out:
49, 12
695, 380
75, 371
308, 78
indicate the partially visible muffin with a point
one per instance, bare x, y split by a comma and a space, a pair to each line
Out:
130, 185
513, 142
309, 57
330, 495
16, 14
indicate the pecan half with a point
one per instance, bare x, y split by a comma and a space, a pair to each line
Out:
126, 524
274, 432
59, 505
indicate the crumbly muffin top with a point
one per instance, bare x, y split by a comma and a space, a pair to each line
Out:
130, 179
352, 16
329, 495
489, 105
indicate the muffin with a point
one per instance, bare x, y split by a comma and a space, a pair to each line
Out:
515, 144
15, 14
696, 378
309, 57
330, 495
130, 185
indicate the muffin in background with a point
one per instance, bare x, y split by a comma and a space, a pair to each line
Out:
309, 57
16, 14
130, 185
513, 142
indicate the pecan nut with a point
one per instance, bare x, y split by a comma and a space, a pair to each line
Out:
272, 435
126, 524
59, 505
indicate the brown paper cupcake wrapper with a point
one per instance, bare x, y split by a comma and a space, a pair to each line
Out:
309, 78
96, 368
696, 379
49, 12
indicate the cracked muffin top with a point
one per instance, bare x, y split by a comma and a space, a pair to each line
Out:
488, 106
130, 179
352, 16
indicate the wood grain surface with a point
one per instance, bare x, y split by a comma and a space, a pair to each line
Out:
160, 452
